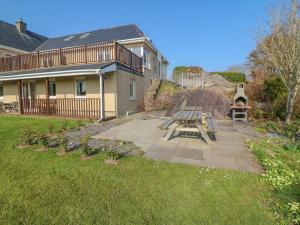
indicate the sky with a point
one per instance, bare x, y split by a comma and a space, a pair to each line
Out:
213, 34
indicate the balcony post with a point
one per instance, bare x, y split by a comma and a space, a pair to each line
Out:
60, 58
47, 95
20, 98
115, 50
38, 59
85, 53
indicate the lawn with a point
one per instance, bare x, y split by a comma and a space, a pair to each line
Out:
44, 188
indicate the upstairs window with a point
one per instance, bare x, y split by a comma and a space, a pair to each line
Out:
80, 88
104, 55
137, 51
52, 89
146, 59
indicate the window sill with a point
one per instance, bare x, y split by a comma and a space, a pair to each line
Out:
52, 97
147, 68
132, 99
1, 99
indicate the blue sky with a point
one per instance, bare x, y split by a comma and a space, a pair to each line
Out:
214, 34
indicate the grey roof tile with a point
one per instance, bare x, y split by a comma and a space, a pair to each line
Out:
93, 37
11, 37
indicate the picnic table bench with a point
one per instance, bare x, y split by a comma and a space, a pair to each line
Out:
191, 121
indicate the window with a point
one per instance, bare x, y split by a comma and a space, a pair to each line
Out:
146, 58
80, 88
104, 55
137, 51
1, 92
132, 90
52, 89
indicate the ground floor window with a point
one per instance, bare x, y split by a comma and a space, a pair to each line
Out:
80, 88
52, 88
132, 90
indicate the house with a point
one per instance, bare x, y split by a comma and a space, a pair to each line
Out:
96, 74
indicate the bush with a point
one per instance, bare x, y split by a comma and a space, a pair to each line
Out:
234, 77
85, 145
29, 137
44, 140
292, 130
112, 154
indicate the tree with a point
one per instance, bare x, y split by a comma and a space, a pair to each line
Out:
279, 50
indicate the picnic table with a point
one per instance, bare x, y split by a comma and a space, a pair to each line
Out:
191, 120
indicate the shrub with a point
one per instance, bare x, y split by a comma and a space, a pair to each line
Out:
234, 77
29, 137
112, 154
85, 145
64, 142
44, 140
291, 130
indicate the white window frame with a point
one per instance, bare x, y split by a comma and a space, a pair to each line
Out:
2, 97
105, 55
75, 87
147, 63
132, 97
141, 50
52, 96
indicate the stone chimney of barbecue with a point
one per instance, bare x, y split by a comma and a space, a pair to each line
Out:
21, 26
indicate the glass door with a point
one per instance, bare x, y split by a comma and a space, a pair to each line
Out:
29, 94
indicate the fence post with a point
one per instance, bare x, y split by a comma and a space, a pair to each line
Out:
21, 108
47, 96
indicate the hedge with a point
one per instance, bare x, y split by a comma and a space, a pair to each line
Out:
235, 77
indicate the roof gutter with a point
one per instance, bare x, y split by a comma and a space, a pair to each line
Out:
49, 74
13, 49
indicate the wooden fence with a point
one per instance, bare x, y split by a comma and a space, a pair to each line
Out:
85, 54
63, 107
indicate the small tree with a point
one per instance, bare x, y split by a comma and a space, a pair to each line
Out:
280, 50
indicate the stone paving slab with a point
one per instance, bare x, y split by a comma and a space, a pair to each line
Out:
228, 152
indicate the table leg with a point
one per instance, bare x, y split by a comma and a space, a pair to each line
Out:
204, 134
170, 131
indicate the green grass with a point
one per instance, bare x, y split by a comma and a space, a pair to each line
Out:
44, 188
282, 165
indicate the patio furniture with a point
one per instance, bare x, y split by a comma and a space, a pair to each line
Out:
191, 121
9, 107
2, 110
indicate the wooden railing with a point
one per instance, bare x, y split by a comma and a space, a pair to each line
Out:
63, 107
85, 54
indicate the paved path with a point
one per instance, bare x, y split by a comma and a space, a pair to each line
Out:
228, 152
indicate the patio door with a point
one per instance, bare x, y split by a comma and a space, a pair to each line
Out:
29, 94
29, 90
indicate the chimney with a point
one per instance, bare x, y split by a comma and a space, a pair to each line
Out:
21, 26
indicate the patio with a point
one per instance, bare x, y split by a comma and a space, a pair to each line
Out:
228, 152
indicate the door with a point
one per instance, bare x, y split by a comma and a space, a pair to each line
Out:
29, 95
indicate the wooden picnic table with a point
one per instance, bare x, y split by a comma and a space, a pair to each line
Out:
190, 121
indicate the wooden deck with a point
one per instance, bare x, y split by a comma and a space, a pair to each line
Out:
85, 54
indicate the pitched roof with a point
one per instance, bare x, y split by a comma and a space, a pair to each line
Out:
11, 37
93, 37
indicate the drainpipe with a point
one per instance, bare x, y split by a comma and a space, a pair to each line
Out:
101, 84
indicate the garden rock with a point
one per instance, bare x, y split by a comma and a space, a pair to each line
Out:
97, 145
53, 143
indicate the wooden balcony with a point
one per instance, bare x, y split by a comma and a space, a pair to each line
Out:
85, 54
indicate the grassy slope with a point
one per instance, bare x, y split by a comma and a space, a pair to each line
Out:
43, 188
